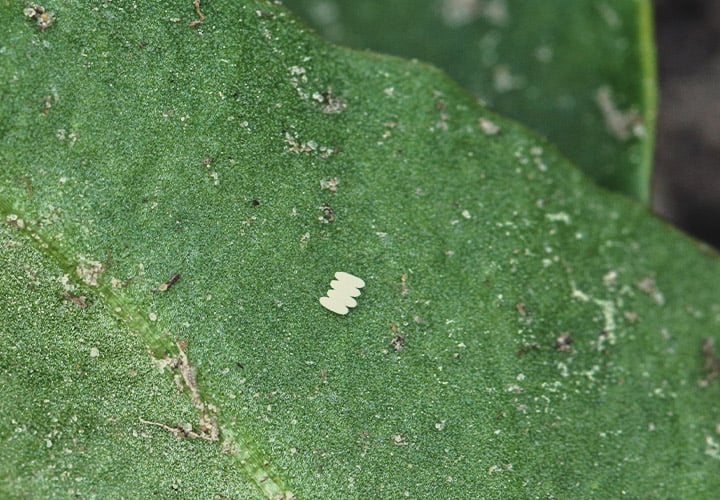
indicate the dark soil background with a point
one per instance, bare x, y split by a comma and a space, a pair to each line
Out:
686, 180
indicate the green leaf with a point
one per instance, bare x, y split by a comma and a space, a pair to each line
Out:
582, 73
136, 148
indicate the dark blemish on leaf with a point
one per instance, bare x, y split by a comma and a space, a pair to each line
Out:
77, 300
440, 106
328, 213
398, 342
712, 362
180, 431
527, 347
198, 11
255, 203
47, 104
207, 423
563, 342
43, 17
240, 365
331, 104
164, 287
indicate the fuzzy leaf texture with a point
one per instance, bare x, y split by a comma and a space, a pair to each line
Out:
177, 195
582, 73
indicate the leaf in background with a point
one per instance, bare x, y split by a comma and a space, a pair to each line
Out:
582, 73
177, 199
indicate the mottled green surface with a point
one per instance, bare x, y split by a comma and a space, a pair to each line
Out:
141, 147
580, 72
71, 416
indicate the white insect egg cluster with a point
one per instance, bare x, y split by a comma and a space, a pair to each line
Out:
341, 297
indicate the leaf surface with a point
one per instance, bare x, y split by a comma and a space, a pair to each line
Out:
581, 73
177, 199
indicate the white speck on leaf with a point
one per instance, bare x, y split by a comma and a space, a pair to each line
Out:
649, 286
488, 127
558, 217
330, 184
504, 80
620, 124
712, 448
544, 54
89, 271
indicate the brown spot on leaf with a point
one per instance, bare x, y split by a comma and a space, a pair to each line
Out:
207, 427
328, 213
398, 341
42, 17
563, 342
47, 104
330, 103
165, 286
198, 11
527, 347
403, 285
77, 300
